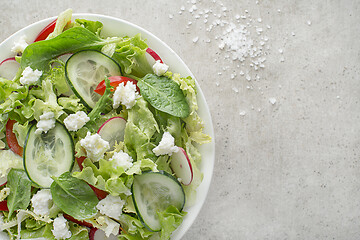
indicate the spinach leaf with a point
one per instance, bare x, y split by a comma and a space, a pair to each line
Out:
74, 196
38, 54
20, 190
164, 94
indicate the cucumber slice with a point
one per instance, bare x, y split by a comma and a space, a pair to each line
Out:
48, 154
153, 192
84, 70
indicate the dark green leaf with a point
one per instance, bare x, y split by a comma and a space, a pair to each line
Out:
20, 190
38, 54
164, 95
74, 196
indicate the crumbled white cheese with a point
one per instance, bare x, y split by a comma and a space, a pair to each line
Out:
122, 159
20, 45
160, 68
111, 206
125, 95
61, 228
4, 193
46, 122
30, 76
95, 146
75, 121
42, 202
109, 226
166, 145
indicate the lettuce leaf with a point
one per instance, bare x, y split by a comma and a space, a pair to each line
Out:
130, 54
140, 128
93, 26
63, 19
9, 160
21, 131
170, 219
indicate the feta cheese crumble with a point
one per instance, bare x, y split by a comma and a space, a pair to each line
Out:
95, 146
126, 95
122, 159
42, 202
111, 206
166, 145
20, 45
47, 122
61, 228
160, 68
30, 76
75, 121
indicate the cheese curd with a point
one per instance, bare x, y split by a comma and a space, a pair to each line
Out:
46, 122
42, 202
30, 76
61, 228
166, 145
75, 121
111, 206
125, 95
160, 68
20, 45
95, 146
122, 159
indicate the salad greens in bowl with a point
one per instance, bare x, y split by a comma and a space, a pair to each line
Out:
105, 133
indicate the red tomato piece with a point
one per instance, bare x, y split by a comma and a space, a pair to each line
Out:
46, 31
82, 223
114, 82
11, 138
3, 206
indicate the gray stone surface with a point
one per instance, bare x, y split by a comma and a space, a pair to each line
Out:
283, 171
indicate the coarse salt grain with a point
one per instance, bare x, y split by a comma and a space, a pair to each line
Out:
272, 100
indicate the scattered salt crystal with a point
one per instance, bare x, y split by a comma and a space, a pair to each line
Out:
281, 51
235, 89
219, 73
193, 1
268, 26
195, 39
279, 11
282, 59
171, 16
217, 84
243, 16
272, 100
237, 16
182, 8
241, 73
242, 113
308, 22
293, 33
189, 22
205, 20
259, 20
248, 77
338, 97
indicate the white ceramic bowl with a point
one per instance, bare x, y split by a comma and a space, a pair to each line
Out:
117, 27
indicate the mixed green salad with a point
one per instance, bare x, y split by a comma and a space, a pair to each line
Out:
95, 138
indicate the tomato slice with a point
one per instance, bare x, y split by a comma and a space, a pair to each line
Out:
114, 82
46, 31
155, 56
3, 206
82, 223
11, 138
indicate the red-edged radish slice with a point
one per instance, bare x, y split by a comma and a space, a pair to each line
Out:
113, 130
9, 68
155, 56
3, 181
97, 234
181, 165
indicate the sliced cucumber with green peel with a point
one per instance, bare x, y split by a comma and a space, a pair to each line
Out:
154, 192
48, 154
84, 70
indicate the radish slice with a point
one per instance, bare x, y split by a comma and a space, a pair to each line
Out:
154, 55
9, 68
3, 181
181, 165
113, 130
97, 234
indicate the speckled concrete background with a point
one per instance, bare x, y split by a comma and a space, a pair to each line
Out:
288, 170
